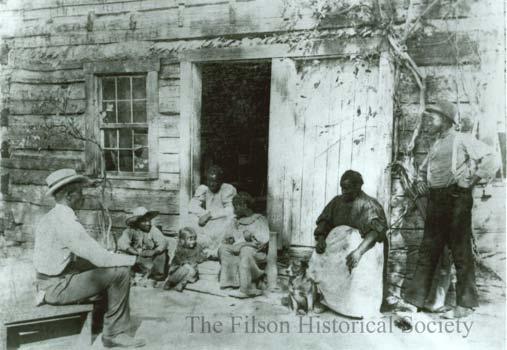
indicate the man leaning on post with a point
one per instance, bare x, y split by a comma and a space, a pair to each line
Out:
71, 266
455, 164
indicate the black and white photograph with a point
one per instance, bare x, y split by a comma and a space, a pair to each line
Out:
253, 174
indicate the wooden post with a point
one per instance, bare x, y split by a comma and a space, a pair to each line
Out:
271, 268
386, 115
190, 131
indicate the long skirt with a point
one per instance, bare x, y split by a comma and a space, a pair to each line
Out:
354, 294
211, 235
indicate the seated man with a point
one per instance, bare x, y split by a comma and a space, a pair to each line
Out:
210, 210
348, 264
244, 248
142, 239
61, 243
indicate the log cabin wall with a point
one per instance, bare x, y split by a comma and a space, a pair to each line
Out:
46, 45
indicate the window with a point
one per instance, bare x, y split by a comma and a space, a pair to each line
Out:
122, 111
124, 126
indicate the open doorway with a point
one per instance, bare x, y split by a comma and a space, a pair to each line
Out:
235, 124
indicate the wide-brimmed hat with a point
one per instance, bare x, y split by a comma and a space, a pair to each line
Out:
62, 177
141, 214
445, 108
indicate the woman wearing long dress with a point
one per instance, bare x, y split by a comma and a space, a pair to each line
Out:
348, 262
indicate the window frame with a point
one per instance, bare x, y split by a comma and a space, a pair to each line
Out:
94, 72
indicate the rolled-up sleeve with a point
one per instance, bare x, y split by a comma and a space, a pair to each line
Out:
373, 219
484, 155
125, 240
77, 240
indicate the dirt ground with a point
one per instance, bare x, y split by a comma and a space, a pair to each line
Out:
164, 320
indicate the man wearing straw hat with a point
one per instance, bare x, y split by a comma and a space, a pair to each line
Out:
455, 164
71, 266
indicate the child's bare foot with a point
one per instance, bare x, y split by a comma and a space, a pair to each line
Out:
179, 287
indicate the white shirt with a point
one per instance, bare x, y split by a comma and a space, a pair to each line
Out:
59, 237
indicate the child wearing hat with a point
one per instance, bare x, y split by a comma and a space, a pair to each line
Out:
144, 240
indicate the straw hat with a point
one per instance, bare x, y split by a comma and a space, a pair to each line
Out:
62, 177
141, 214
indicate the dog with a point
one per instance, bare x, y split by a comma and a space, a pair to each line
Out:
302, 290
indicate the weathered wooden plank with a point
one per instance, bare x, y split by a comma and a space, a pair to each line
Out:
168, 125
120, 199
444, 82
448, 9
284, 183
169, 71
169, 145
439, 49
167, 182
190, 129
91, 218
42, 162
44, 107
47, 77
169, 99
169, 163
37, 92
44, 132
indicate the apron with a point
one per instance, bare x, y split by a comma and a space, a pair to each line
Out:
357, 294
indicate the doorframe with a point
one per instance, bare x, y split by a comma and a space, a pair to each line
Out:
191, 100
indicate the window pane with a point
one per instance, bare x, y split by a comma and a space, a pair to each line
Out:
124, 112
110, 138
140, 137
141, 159
111, 157
110, 109
126, 161
123, 88
108, 89
139, 87
125, 138
139, 111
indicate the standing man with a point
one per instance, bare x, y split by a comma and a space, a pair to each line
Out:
211, 210
72, 267
454, 165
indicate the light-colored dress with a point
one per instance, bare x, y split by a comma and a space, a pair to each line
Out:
219, 205
234, 272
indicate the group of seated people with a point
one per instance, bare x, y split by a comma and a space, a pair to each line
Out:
221, 225
71, 266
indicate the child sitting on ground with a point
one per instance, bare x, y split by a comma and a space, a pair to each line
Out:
187, 256
146, 241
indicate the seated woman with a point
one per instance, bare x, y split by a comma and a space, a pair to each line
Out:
347, 264
210, 210
244, 249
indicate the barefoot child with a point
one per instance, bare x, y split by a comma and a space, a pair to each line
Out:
187, 256
142, 239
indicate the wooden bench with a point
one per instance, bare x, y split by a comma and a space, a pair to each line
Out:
25, 323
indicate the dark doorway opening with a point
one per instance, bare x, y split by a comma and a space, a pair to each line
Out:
235, 124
